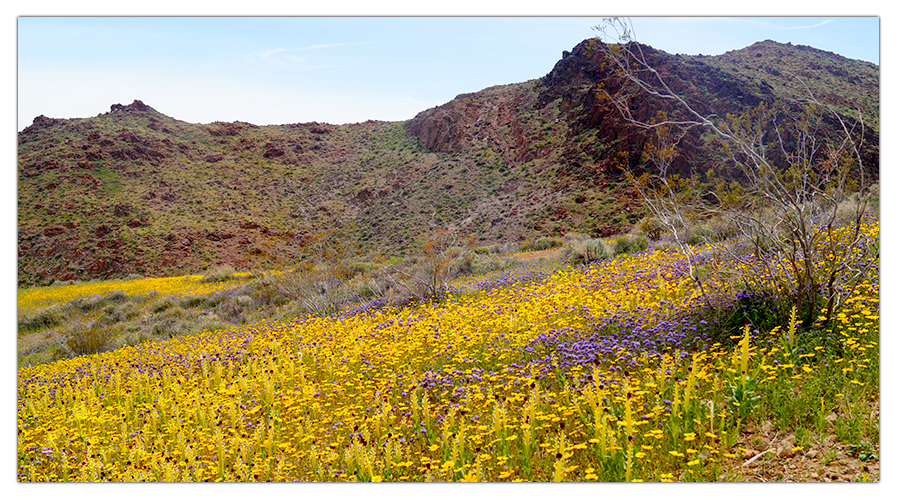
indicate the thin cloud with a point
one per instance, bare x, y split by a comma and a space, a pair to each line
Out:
329, 45
288, 58
264, 55
823, 23
771, 25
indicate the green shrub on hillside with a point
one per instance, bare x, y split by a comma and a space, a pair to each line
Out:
586, 251
630, 244
45, 318
542, 244
82, 338
221, 273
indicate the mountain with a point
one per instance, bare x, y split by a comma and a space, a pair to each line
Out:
133, 191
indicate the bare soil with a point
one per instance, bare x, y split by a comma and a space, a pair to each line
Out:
766, 455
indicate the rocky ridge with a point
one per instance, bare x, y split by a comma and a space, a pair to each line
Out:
135, 191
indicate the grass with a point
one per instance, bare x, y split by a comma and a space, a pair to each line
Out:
600, 372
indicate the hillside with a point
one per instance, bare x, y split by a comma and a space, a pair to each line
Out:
133, 191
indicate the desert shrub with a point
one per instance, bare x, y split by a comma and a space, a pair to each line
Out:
544, 243
192, 301
374, 284
163, 304
721, 227
573, 236
117, 313
651, 226
464, 264
315, 271
264, 291
233, 307
221, 273
82, 338
45, 318
848, 209
46, 353
172, 322
43, 354
425, 277
365, 290
320, 291
93, 302
213, 301
666, 246
487, 263
640, 243
874, 201
210, 321
586, 251
501, 248
630, 244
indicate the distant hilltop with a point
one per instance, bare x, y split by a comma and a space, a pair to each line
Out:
133, 191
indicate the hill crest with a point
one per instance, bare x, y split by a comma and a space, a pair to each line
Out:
133, 191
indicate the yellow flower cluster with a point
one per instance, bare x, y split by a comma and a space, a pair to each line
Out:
531, 381
33, 299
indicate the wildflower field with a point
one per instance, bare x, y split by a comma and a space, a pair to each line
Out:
602, 372
32, 299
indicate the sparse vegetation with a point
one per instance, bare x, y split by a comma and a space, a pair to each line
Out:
224, 272
585, 251
172, 198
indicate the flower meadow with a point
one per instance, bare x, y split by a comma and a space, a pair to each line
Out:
32, 299
604, 372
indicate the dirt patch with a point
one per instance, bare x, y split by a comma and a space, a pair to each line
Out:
763, 454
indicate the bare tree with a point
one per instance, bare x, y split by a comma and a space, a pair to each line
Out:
437, 256
796, 175
673, 201
312, 269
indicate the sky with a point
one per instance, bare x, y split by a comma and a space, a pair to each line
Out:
277, 70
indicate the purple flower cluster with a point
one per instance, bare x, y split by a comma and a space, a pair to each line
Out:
511, 279
618, 342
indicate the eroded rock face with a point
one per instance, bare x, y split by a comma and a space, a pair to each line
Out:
100, 266
513, 119
487, 118
509, 117
219, 235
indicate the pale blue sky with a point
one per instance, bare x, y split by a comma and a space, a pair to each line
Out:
276, 70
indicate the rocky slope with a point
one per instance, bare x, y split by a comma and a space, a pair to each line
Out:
135, 191
593, 135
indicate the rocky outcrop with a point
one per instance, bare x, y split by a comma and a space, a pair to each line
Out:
514, 118
136, 106
488, 118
